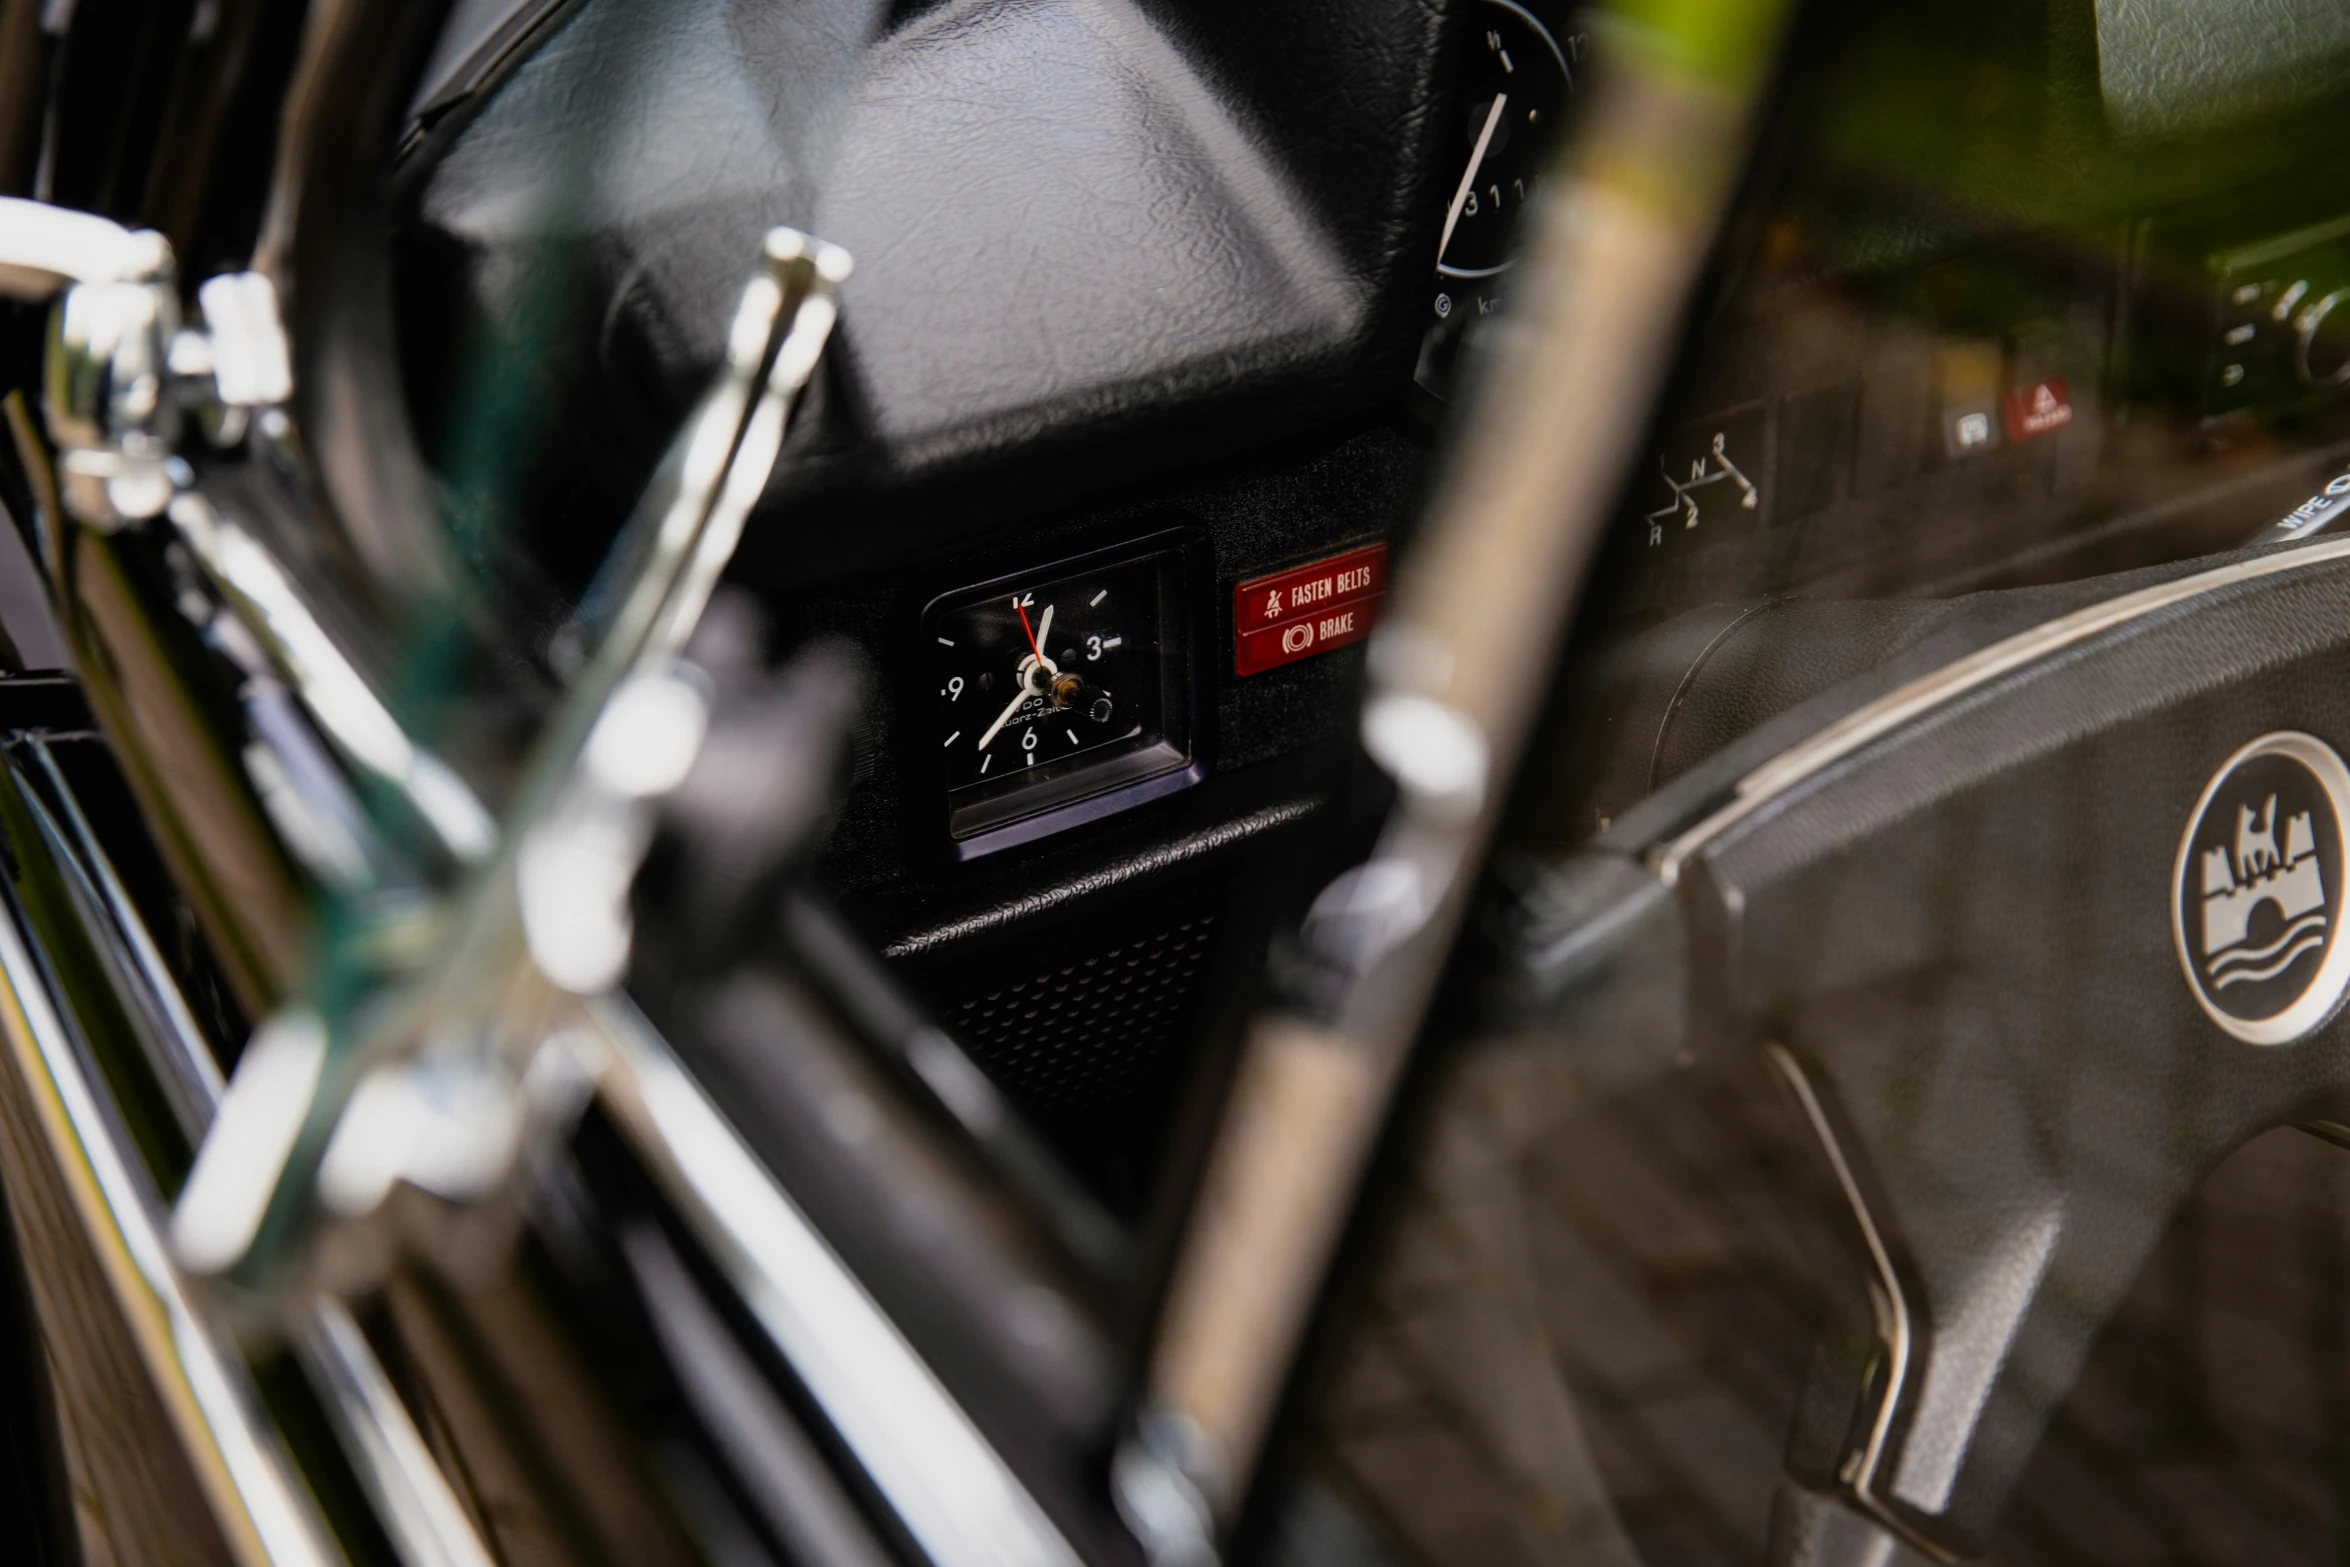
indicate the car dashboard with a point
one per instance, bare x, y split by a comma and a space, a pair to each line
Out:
1144, 335
1034, 774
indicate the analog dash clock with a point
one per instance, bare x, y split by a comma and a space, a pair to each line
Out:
1060, 695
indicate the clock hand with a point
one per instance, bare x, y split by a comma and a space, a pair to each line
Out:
1044, 628
1010, 708
1476, 162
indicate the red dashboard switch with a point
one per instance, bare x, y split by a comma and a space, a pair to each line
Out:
1315, 608
2041, 408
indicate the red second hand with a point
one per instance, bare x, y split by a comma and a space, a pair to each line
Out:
1032, 647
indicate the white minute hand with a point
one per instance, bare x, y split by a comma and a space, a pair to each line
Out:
1005, 716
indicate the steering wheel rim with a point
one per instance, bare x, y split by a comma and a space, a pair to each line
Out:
1944, 903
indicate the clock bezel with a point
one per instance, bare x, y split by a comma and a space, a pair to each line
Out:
1111, 784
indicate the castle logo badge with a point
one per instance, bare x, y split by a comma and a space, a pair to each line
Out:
2256, 904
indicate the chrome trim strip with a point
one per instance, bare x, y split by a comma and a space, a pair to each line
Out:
1954, 680
954, 1493
786, 1478
332, 691
192, 1069
413, 1501
266, 1514
1895, 1321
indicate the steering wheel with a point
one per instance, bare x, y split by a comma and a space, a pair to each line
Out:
2035, 926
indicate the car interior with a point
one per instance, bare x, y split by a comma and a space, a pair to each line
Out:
2020, 306
1165, 325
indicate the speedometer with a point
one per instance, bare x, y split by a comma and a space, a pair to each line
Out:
1516, 78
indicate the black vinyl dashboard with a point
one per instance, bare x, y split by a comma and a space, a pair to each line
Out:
1155, 302
1124, 274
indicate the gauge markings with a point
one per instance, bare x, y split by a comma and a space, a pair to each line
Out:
1039, 661
1479, 223
1463, 195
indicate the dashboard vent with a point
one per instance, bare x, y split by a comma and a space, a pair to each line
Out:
1079, 1035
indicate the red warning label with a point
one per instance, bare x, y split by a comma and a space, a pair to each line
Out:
2042, 408
1310, 609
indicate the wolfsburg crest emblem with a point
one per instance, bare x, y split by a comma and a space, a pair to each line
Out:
2257, 890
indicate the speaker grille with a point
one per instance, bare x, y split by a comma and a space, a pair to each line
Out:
1080, 1034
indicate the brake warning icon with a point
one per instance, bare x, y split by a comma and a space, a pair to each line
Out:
2257, 899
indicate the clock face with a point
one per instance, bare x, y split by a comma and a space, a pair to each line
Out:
1057, 687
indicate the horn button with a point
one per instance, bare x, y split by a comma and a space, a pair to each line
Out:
2030, 963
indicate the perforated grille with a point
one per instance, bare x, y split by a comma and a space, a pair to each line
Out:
1079, 1034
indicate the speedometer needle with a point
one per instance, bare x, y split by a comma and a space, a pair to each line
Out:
1469, 180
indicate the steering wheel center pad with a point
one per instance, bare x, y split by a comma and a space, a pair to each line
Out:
1940, 894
